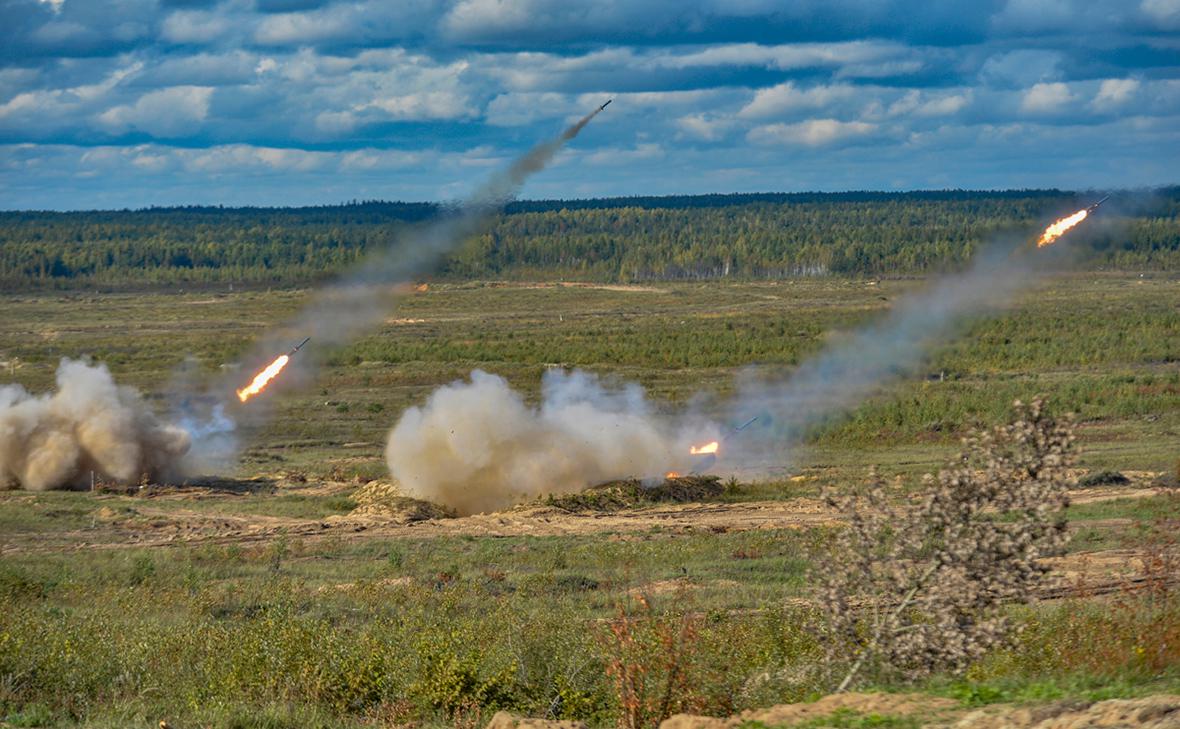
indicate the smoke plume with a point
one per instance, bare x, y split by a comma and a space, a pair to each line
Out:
477, 446
362, 298
89, 424
357, 302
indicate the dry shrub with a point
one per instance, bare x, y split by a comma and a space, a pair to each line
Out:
650, 661
916, 588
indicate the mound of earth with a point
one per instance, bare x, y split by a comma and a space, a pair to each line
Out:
837, 706
1151, 712
630, 493
382, 500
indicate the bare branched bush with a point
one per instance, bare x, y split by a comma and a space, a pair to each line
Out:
650, 663
917, 587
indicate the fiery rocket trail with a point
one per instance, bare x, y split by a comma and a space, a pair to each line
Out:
263, 378
362, 297
1059, 228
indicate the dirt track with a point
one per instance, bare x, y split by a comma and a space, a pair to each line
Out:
165, 519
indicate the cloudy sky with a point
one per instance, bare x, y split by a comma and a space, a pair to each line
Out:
131, 103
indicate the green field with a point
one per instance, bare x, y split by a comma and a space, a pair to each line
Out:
349, 628
1103, 346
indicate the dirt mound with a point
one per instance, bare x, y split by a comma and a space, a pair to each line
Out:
382, 500
630, 493
504, 720
840, 705
1152, 712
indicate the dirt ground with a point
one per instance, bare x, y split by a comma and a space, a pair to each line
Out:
1150, 712
163, 517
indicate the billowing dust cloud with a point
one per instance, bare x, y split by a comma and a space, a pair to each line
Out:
478, 446
89, 424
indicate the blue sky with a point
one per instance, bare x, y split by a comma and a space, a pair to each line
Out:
131, 103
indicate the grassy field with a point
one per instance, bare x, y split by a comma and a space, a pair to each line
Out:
339, 627
1104, 347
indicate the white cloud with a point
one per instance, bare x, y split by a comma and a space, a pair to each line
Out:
171, 112
50, 108
477, 17
194, 26
924, 104
429, 105
1164, 12
54, 5
811, 133
289, 29
525, 107
1115, 92
787, 98
336, 122
237, 158
1046, 98
704, 127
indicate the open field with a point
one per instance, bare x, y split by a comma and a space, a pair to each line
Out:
268, 600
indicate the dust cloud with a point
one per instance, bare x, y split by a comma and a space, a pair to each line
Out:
476, 445
89, 424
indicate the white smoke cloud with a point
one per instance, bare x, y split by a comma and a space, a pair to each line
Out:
477, 446
89, 424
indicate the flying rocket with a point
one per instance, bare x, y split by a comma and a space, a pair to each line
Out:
605, 105
1093, 207
300, 345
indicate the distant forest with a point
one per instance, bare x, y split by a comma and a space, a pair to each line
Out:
613, 239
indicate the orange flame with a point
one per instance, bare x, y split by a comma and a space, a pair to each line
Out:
263, 378
706, 448
1057, 229
671, 474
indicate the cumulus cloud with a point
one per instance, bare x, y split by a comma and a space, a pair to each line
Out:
811, 133
194, 26
700, 79
1115, 92
171, 112
423, 106
1046, 98
787, 98
1164, 12
926, 104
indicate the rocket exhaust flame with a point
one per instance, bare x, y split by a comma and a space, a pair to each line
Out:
263, 378
707, 448
1057, 229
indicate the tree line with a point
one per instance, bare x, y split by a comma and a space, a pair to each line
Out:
608, 239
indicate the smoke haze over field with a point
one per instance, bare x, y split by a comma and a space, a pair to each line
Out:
88, 424
477, 446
